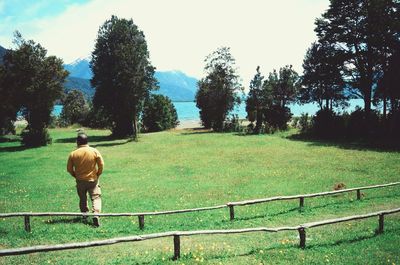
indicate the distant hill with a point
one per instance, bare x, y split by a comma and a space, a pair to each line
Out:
2, 52
79, 84
174, 84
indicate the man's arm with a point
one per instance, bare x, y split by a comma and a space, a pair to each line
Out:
100, 164
70, 167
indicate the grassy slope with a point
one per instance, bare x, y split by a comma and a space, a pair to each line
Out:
174, 170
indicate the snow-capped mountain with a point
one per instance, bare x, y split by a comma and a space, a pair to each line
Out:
174, 84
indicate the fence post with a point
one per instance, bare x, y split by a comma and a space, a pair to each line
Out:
27, 223
301, 202
358, 194
302, 235
177, 247
381, 223
141, 221
231, 212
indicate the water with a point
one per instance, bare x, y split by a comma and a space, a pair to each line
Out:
188, 110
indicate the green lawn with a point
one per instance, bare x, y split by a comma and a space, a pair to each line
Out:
187, 169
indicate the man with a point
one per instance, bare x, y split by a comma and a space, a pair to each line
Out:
85, 164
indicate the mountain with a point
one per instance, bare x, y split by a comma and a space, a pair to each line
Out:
174, 84
2, 52
79, 84
79, 68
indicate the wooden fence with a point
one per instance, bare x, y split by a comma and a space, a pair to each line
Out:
178, 234
27, 215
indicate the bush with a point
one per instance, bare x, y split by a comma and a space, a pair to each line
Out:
97, 118
35, 138
327, 124
304, 123
233, 125
277, 117
361, 126
159, 114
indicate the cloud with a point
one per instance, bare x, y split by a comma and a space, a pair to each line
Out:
181, 33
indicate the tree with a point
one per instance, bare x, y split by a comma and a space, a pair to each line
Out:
10, 103
254, 107
159, 114
37, 81
279, 90
122, 74
75, 108
218, 91
366, 32
322, 77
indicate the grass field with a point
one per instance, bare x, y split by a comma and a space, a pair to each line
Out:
186, 169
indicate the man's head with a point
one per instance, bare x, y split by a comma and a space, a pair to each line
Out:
82, 139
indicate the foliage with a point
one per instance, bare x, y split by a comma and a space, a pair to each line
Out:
359, 124
325, 124
122, 74
36, 81
218, 91
254, 101
366, 32
159, 114
9, 102
322, 81
97, 118
75, 108
304, 123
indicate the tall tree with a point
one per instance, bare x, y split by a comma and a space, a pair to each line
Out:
122, 74
365, 30
322, 77
36, 80
254, 106
218, 91
280, 90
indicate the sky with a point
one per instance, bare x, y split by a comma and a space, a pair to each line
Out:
179, 33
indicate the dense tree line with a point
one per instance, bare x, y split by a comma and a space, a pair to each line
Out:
31, 83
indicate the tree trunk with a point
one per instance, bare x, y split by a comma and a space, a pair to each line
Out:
258, 121
384, 108
135, 128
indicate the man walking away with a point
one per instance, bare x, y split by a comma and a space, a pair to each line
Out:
85, 164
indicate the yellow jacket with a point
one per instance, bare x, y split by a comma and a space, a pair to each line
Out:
82, 163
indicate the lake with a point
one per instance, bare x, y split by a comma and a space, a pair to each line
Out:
188, 110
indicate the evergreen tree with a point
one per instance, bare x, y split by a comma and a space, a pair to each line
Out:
218, 91
254, 106
122, 74
159, 114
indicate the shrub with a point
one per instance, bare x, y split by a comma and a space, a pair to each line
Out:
35, 138
277, 117
304, 123
323, 123
159, 114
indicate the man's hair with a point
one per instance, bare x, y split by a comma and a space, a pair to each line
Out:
81, 139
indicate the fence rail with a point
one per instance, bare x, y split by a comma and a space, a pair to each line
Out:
230, 205
177, 234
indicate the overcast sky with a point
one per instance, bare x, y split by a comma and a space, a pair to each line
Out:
179, 33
